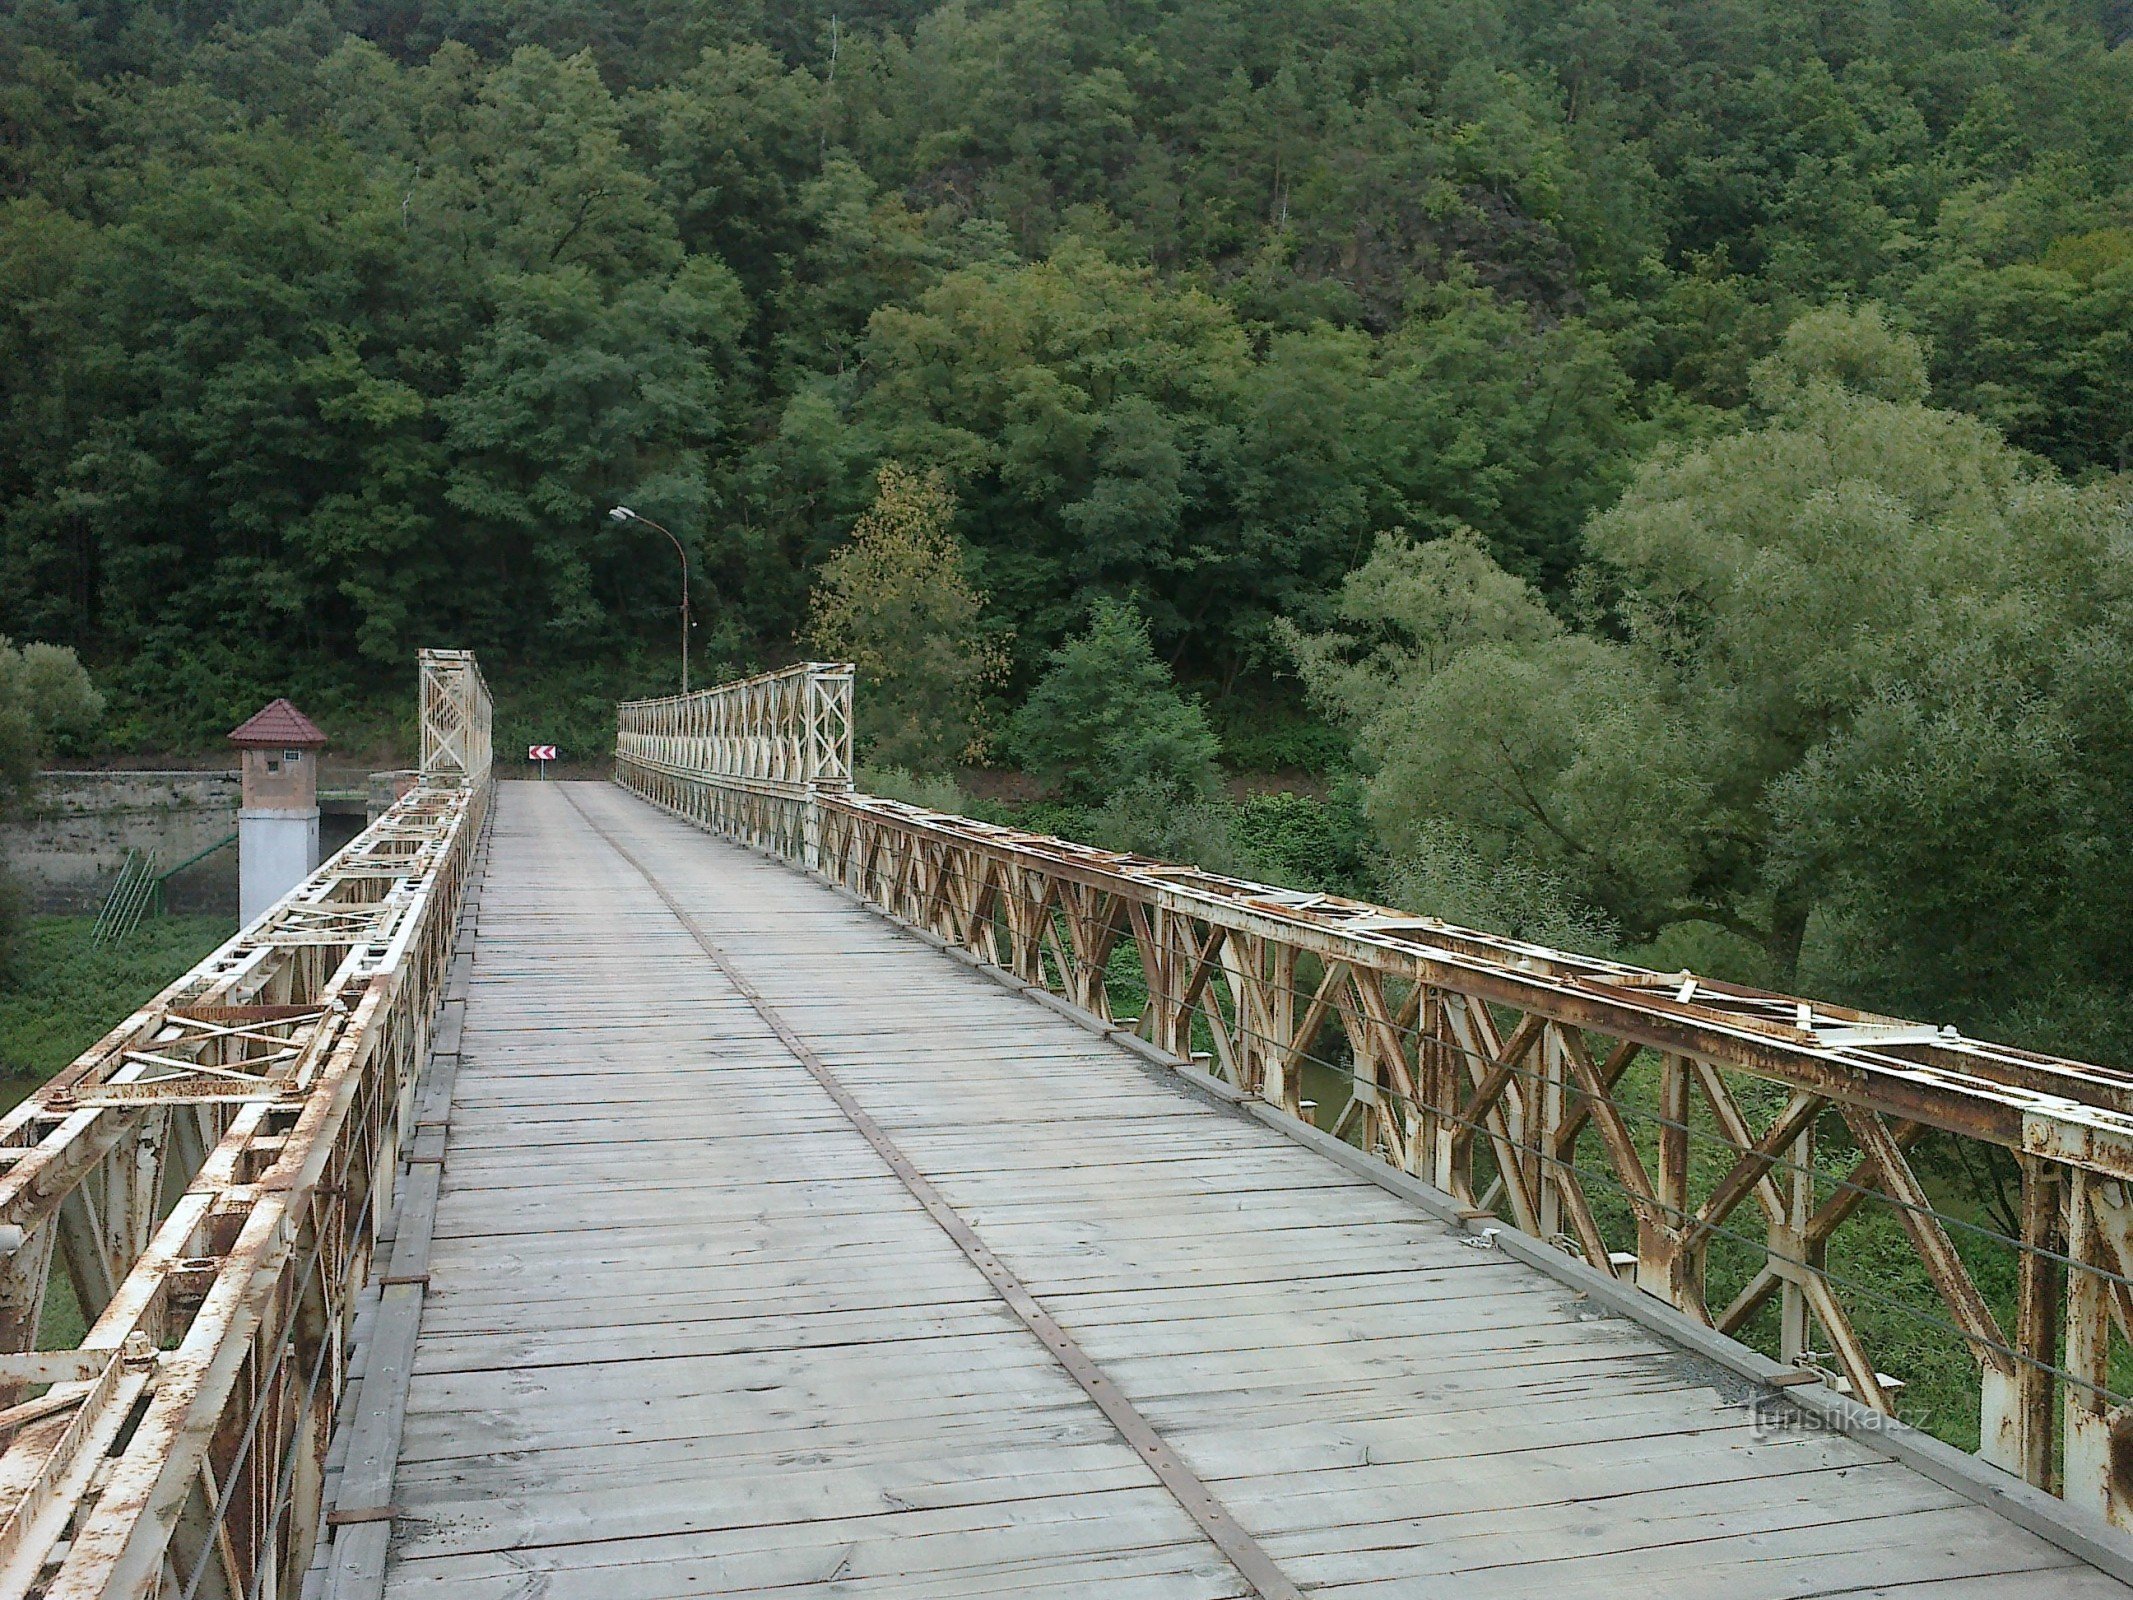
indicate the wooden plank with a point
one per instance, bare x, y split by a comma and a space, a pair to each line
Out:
1083, 1540
353, 1568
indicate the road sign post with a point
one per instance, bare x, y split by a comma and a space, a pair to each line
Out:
543, 753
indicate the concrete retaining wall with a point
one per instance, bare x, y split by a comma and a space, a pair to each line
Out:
67, 850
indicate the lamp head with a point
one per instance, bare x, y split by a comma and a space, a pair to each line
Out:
621, 514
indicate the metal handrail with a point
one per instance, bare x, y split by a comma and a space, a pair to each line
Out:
136, 888
1536, 1083
211, 1174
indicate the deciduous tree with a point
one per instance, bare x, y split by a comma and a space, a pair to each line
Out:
897, 604
1843, 671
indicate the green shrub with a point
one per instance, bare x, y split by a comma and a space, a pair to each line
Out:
1268, 729
44, 696
1306, 842
1446, 873
1107, 718
1147, 821
933, 791
12, 912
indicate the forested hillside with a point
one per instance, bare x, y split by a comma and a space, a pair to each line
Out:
1298, 328
330, 329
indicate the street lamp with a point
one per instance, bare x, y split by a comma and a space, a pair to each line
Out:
625, 514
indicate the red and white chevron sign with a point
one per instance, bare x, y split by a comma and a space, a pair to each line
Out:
540, 752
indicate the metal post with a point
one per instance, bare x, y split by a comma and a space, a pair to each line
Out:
625, 514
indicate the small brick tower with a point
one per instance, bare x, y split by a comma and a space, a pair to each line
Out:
277, 827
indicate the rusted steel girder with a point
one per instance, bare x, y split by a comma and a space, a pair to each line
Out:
1567, 1093
779, 739
2067, 1110
210, 1175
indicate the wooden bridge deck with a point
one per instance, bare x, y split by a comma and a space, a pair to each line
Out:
688, 1333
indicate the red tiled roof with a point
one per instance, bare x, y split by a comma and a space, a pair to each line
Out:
278, 723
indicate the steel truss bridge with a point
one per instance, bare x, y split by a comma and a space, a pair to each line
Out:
726, 1182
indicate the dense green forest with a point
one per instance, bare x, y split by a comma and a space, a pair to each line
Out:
1660, 461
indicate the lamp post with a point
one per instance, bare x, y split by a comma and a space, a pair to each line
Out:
625, 514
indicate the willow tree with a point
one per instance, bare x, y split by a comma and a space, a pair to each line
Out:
1859, 666
897, 604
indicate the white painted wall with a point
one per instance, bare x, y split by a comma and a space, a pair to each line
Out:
276, 851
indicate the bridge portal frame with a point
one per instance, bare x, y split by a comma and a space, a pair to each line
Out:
780, 742
456, 719
212, 1177
1498, 1072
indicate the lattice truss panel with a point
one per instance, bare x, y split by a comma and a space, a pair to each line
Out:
207, 1181
1720, 1146
456, 718
746, 759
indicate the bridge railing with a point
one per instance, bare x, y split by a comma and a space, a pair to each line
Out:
456, 717
207, 1182
747, 759
1860, 1196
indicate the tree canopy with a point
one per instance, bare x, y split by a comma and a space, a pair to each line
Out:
1856, 669
1681, 440
329, 327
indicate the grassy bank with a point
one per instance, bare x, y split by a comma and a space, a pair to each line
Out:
64, 993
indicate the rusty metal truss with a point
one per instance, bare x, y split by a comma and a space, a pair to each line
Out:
778, 741
455, 719
1657, 1125
209, 1179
